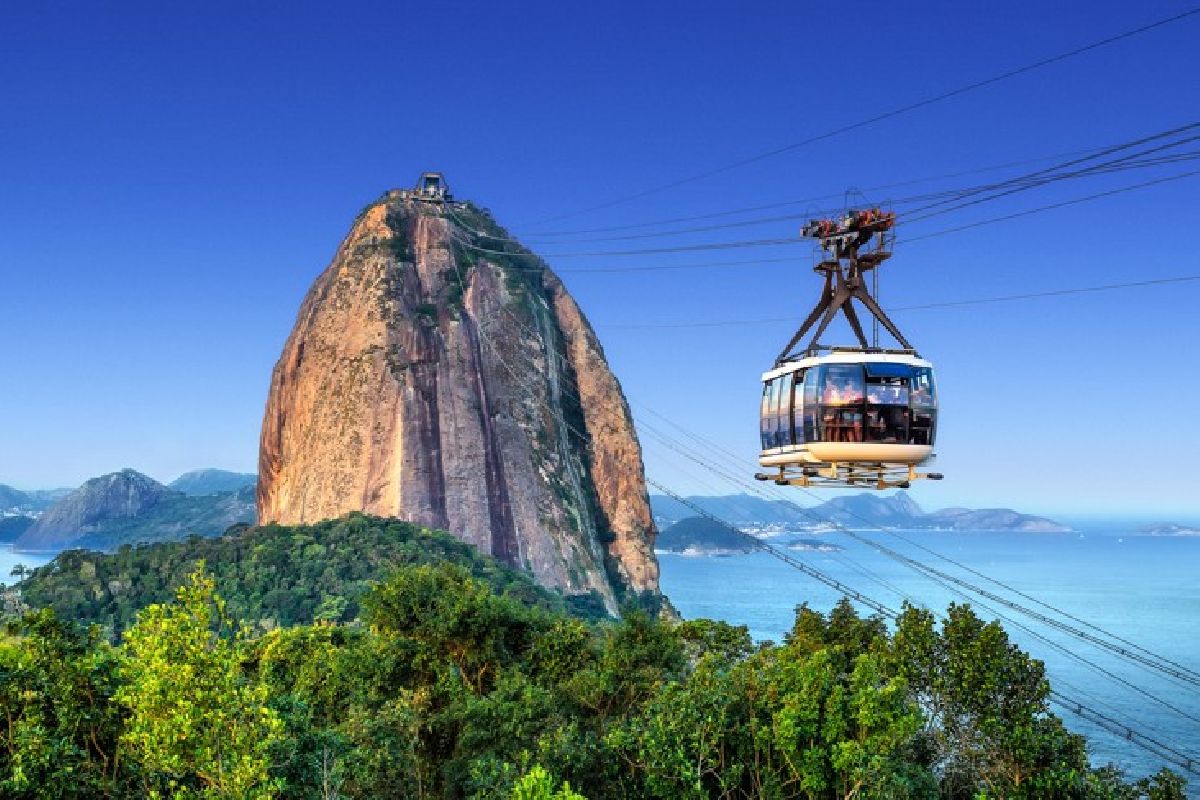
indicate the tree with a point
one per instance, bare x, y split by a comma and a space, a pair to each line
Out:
193, 717
538, 785
60, 736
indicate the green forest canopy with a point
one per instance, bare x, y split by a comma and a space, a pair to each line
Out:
463, 681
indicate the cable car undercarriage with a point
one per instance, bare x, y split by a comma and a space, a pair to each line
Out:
859, 416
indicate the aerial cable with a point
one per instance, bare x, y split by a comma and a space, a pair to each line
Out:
775, 552
1004, 298
1052, 206
841, 587
932, 200
1018, 183
809, 200
1180, 673
1150, 660
791, 241
880, 117
942, 580
1158, 748
1183, 760
1052, 170
1131, 651
1025, 183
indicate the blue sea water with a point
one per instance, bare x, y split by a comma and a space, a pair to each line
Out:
1141, 588
9, 559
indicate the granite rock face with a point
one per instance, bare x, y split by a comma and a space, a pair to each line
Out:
430, 379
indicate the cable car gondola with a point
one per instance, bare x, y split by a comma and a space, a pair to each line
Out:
858, 416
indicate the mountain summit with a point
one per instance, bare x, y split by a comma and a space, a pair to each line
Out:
439, 373
119, 495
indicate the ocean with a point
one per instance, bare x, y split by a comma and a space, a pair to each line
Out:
9, 559
1142, 588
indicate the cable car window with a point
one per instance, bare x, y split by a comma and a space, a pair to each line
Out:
783, 411
887, 391
887, 424
772, 413
798, 407
811, 411
924, 423
842, 384
764, 416
923, 395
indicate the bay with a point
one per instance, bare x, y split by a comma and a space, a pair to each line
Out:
9, 559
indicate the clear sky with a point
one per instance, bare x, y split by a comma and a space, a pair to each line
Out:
174, 177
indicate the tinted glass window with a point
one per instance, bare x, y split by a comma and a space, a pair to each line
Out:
922, 388
764, 415
797, 408
888, 424
842, 384
812, 395
887, 391
783, 411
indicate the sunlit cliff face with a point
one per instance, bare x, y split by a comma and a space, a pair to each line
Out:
461, 390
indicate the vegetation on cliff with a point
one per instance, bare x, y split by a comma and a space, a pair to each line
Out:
456, 685
270, 576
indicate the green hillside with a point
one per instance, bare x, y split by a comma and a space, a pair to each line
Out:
700, 534
270, 576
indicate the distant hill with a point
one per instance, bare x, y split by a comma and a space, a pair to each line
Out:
13, 526
202, 482
701, 535
127, 507
29, 502
1169, 529
270, 576
868, 509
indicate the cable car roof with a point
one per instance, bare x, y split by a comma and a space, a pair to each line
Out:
846, 357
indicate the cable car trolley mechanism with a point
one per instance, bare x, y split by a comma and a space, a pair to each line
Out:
856, 416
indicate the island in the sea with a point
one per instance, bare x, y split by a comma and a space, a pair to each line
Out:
1168, 529
700, 536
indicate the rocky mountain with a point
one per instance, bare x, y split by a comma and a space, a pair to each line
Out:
441, 374
897, 510
201, 482
127, 507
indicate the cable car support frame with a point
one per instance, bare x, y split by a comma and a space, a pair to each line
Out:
852, 250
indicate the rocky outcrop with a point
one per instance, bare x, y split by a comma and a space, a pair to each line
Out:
118, 495
440, 374
128, 507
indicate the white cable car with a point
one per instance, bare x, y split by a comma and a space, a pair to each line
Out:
860, 416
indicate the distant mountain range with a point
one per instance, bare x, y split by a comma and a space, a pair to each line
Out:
203, 482
128, 507
897, 510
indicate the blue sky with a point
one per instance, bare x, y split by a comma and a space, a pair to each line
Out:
174, 177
